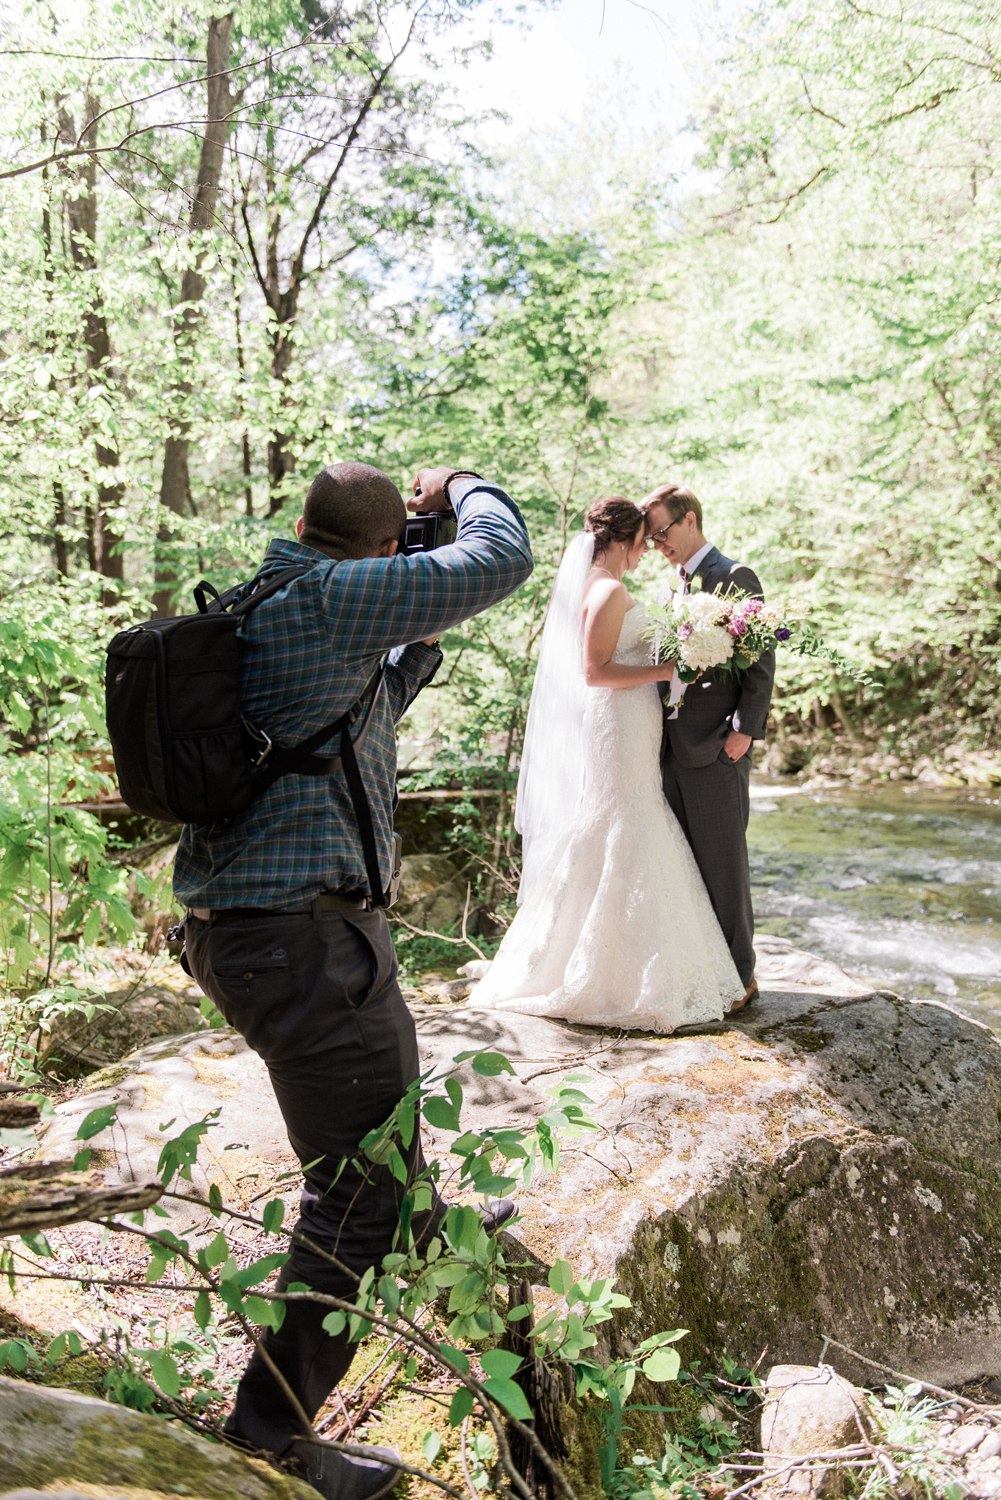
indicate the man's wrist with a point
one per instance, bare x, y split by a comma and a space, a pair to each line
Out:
458, 474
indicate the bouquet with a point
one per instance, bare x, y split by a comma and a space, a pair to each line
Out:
729, 632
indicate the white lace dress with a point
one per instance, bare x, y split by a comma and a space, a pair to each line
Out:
625, 935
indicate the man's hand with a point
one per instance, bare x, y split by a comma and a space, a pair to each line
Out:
429, 489
737, 745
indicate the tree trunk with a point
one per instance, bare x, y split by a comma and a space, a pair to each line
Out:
175, 482
105, 544
281, 462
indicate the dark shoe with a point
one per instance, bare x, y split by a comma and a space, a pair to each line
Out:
496, 1214
341, 1476
750, 995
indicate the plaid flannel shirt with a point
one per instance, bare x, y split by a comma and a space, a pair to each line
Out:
306, 656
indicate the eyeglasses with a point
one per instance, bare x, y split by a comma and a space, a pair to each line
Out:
661, 535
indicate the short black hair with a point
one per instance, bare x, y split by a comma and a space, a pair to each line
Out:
352, 510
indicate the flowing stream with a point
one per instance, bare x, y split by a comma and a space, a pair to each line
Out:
899, 885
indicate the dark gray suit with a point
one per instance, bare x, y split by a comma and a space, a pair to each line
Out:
708, 792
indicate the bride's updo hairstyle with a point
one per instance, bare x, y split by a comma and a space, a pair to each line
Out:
613, 520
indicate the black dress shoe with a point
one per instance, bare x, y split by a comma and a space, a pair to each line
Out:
496, 1214
341, 1476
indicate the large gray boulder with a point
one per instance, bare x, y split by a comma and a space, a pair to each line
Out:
123, 1020
830, 1168
55, 1441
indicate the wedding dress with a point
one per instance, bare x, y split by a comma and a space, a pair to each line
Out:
618, 930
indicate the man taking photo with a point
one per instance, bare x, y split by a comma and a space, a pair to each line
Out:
281, 931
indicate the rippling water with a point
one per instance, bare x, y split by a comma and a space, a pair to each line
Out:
900, 886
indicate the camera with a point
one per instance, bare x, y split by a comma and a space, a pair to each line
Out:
425, 532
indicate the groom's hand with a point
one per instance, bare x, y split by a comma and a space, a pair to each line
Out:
737, 745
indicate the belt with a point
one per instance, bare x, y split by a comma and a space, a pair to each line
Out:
326, 901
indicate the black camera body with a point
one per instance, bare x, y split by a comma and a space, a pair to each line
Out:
425, 532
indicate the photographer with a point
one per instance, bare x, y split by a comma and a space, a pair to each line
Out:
281, 931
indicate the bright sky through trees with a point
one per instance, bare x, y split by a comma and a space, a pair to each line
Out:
642, 61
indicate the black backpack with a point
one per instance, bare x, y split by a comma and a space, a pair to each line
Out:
184, 751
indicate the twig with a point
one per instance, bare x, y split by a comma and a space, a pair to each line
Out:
462, 942
464, 1460
993, 1413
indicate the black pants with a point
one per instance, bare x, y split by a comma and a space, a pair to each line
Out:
317, 997
712, 803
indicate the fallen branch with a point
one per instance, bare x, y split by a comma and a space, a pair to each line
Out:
17, 1114
992, 1413
42, 1195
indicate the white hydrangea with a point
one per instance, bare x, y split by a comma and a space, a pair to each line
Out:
708, 646
704, 609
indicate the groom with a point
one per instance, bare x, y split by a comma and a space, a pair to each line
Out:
706, 749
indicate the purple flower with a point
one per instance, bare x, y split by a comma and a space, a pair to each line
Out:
737, 628
782, 634
752, 607
684, 631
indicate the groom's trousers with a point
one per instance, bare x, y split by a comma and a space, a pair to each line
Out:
712, 803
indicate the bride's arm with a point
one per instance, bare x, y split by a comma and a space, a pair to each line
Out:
605, 608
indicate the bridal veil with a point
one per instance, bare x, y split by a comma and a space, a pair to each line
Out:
552, 761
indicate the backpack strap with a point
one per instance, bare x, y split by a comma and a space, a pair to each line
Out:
210, 601
277, 760
363, 813
274, 760
302, 758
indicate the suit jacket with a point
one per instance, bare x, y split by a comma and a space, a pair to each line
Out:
720, 701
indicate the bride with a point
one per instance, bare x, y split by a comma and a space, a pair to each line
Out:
614, 926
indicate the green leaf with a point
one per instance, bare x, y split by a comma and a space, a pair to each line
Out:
461, 1227
264, 1313
203, 1310
461, 1407
453, 1089
274, 1213
16, 1353
216, 1252
38, 1244
500, 1362
454, 1357
165, 1372
510, 1396
662, 1364
98, 1120
490, 1064
561, 1277
441, 1114
260, 1270
335, 1322
431, 1445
